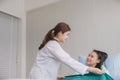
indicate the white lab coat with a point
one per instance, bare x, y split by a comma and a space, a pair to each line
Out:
48, 62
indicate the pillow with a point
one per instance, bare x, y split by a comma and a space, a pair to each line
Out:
113, 65
82, 59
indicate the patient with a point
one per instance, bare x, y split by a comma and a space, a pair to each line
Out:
95, 59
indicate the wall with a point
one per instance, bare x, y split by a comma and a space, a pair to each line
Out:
12, 7
33, 4
16, 8
95, 25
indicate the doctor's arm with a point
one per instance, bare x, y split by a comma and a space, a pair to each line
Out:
64, 57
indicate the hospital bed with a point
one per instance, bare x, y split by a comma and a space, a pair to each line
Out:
112, 64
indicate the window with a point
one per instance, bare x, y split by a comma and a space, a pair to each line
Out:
8, 45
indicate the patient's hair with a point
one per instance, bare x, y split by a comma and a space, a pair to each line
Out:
102, 56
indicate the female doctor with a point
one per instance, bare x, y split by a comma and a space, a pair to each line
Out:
51, 55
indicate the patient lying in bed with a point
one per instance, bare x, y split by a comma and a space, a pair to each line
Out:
95, 59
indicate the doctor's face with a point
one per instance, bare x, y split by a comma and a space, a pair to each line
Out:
63, 36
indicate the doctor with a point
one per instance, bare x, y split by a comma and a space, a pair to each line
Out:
51, 55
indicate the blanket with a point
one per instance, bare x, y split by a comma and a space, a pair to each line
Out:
89, 76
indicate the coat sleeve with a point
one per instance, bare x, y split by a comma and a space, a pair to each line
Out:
60, 54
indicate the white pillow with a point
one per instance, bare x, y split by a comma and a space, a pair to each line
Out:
113, 65
82, 59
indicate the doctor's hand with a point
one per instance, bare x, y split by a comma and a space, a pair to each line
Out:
95, 70
60, 77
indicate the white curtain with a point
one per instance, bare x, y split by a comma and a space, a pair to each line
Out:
8, 45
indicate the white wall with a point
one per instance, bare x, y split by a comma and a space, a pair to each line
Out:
16, 8
33, 4
95, 25
12, 7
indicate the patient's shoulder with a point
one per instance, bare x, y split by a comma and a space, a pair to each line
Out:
104, 69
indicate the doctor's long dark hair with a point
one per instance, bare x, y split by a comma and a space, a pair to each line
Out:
63, 27
102, 56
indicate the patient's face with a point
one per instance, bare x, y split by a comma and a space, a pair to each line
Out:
92, 59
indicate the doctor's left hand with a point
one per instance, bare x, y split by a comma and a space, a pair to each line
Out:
95, 70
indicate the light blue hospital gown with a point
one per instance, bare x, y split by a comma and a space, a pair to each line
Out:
48, 61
